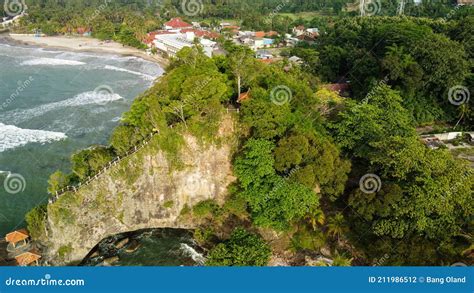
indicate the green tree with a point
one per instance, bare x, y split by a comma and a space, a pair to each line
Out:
273, 201
35, 220
57, 181
242, 249
337, 226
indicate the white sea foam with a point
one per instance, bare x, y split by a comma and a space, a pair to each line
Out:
12, 137
52, 62
86, 98
145, 76
196, 256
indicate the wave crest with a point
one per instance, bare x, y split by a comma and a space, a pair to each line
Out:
83, 99
51, 62
143, 75
13, 137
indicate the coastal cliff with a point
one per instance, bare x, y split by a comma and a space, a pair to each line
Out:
146, 190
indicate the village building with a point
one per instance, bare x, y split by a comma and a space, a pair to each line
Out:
28, 258
84, 32
177, 24
17, 238
264, 55
243, 97
298, 30
437, 140
254, 40
295, 60
172, 43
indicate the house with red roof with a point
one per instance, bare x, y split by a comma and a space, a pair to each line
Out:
298, 30
243, 97
271, 34
202, 33
260, 34
84, 31
150, 37
177, 24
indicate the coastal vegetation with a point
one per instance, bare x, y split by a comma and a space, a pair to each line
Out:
241, 249
128, 21
303, 149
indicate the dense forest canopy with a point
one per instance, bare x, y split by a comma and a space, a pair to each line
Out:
53, 15
422, 59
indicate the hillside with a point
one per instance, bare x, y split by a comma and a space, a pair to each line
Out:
145, 190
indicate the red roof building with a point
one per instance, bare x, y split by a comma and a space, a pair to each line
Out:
152, 35
17, 236
259, 34
28, 258
177, 23
271, 34
202, 33
243, 97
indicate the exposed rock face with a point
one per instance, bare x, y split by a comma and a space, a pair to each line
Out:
143, 191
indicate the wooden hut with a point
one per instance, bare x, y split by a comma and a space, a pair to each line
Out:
28, 258
19, 236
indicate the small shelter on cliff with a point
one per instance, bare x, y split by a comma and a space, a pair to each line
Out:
17, 237
28, 258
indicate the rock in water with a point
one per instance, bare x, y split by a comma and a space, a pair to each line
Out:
121, 244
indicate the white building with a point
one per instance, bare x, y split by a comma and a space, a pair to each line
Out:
172, 43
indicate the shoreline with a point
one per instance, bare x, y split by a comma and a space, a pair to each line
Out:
82, 44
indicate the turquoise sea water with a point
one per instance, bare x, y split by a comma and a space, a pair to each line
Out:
53, 103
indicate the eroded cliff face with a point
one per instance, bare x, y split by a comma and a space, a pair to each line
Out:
145, 190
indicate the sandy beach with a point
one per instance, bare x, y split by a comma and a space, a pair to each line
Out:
85, 44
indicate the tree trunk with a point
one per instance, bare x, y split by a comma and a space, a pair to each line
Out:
239, 90
459, 121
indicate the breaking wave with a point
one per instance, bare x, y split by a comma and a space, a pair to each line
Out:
52, 62
191, 252
145, 76
12, 137
86, 98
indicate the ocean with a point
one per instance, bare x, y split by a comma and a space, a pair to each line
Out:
52, 104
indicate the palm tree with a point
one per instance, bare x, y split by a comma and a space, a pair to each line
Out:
316, 218
463, 111
337, 225
340, 260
